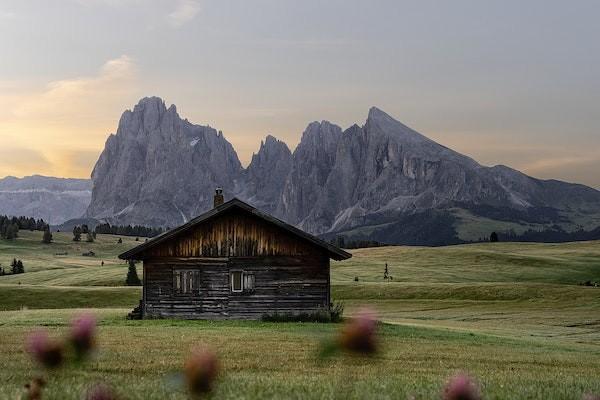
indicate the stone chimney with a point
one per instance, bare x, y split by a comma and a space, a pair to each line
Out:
218, 200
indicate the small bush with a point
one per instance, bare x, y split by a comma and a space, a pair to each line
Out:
356, 279
17, 267
132, 276
334, 314
47, 237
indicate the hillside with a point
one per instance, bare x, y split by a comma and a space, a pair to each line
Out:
511, 314
530, 282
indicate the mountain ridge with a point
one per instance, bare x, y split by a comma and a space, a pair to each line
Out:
159, 169
380, 181
53, 199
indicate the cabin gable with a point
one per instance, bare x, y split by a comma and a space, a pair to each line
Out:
235, 233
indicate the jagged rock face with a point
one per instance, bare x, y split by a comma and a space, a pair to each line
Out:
55, 200
378, 173
159, 169
266, 175
367, 182
311, 165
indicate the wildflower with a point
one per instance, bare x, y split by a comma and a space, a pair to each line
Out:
201, 370
359, 334
461, 387
34, 388
100, 391
47, 352
82, 335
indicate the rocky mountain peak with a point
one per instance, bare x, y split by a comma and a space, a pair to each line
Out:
377, 113
266, 174
272, 144
365, 182
160, 169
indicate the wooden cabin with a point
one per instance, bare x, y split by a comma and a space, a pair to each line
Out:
234, 261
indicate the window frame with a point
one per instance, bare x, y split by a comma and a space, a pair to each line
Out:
231, 280
244, 278
186, 281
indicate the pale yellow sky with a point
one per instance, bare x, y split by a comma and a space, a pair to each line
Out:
501, 86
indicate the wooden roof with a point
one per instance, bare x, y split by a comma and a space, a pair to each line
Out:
333, 251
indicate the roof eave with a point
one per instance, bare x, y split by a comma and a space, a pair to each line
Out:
333, 251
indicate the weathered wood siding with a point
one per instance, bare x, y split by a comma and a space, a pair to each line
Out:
291, 274
282, 284
235, 234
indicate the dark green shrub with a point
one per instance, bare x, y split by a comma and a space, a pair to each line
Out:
132, 277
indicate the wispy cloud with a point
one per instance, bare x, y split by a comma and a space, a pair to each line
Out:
65, 117
185, 11
63, 96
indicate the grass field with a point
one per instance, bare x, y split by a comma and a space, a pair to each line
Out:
510, 314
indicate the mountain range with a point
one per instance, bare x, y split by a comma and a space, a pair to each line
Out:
55, 200
379, 181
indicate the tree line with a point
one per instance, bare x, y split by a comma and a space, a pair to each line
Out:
10, 226
344, 243
554, 234
128, 230
16, 267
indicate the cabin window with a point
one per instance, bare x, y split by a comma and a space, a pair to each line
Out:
236, 282
249, 282
242, 282
186, 281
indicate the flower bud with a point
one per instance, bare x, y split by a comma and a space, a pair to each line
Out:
33, 390
82, 333
359, 334
461, 387
48, 352
201, 370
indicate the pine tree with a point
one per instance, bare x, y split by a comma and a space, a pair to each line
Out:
13, 266
386, 274
12, 231
47, 238
20, 267
132, 276
494, 237
89, 237
76, 234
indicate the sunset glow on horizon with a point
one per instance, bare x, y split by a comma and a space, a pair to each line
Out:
500, 83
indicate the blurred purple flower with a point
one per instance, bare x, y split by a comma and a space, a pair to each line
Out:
461, 387
82, 333
359, 334
34, 388
100, 391
48, 352
591, 396
201, 370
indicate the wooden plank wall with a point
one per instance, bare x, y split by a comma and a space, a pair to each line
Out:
235, 234
283, 285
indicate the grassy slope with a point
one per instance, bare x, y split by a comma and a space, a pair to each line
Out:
509, 289
45, 264
272, 361
510, 313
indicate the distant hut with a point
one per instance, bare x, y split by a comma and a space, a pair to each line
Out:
234, 261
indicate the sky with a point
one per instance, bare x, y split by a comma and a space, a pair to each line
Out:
505, 82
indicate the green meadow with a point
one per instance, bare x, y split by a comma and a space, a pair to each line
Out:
511, 314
